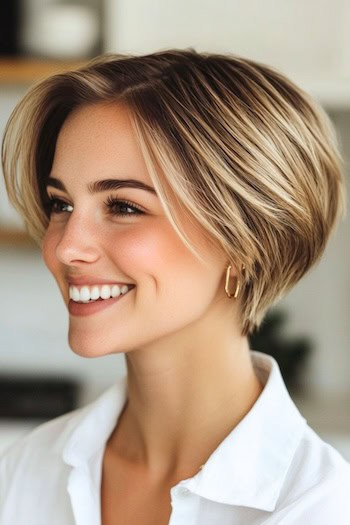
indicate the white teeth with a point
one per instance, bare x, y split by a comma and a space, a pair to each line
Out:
88, 294
94, 293
115, 291
85, 293
74, 293
105, 292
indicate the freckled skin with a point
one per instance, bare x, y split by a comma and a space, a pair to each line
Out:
175, 293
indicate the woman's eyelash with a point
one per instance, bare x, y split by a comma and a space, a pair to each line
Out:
55, 205
113, 204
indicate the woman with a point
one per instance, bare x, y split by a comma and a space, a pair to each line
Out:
176, 196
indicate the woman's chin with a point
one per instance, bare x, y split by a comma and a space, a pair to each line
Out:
86, 346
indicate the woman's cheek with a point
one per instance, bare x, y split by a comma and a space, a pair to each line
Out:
140, 243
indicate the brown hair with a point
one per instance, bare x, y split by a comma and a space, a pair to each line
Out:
248, 154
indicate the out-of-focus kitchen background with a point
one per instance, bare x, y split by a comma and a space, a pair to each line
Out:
40, 376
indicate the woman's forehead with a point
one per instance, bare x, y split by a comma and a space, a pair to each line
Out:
99, 140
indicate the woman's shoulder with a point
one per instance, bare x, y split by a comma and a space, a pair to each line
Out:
54, 441
47, 440
42, 465
317, 484
33, 474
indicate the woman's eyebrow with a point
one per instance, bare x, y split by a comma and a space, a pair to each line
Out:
55, 183
105, 185
114, 184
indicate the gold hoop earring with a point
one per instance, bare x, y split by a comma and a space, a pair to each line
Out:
238, 284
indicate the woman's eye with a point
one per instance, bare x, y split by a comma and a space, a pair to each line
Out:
119, 207
56, 205
115, 207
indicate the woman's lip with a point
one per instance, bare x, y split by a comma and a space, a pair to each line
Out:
85, 309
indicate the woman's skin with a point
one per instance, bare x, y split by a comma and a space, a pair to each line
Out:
190, 376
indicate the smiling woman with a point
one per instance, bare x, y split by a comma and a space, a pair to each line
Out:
175, 196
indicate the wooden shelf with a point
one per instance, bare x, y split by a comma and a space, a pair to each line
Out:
15, 238
28, 70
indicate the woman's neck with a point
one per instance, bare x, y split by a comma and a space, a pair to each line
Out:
182, 404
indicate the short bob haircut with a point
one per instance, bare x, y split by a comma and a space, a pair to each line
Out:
245, 153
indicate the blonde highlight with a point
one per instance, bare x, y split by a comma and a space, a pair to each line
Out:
247, 154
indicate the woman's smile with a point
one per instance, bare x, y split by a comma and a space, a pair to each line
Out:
86, 294
82, 308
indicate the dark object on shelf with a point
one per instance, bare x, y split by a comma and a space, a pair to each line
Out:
290, 354
34, 397
9, 27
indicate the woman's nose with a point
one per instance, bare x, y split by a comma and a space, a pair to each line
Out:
78, 242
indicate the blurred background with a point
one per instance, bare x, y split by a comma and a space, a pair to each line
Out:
308, 332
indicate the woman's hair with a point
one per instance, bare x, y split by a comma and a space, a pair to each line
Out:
241, 149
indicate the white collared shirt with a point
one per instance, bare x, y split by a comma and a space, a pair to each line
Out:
271, 469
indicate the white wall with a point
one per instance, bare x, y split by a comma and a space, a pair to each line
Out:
301, 38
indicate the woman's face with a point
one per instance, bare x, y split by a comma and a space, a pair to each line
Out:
96, 239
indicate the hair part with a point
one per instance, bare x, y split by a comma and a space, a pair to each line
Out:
240, 148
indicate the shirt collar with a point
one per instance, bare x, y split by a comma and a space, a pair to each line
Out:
247, 468
94, 424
